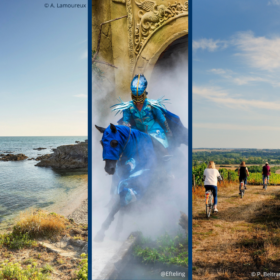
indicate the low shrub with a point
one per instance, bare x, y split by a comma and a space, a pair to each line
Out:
39, 224
16, 241
167, 250
14, 271
82, 274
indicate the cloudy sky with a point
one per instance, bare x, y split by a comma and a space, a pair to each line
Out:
236, 74
43, 69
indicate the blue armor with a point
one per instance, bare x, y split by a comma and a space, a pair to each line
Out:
138, 88
151, 118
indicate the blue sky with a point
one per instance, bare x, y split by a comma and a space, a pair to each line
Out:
236, 74
43, 69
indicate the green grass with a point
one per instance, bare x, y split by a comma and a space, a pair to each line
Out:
47, 268
166, 249
16, 241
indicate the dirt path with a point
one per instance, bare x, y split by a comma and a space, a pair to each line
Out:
240, 239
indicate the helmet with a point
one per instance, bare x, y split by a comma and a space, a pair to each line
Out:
138, 88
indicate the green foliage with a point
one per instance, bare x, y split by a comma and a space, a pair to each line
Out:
198, 170
14, 271
255, 169
47, 268
83, 271
225, 174
250, 156
258, 169
167, 250
16, 241
256, 178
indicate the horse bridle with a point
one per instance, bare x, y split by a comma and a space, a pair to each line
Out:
125, 144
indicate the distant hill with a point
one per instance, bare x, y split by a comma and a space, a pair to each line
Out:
235, 156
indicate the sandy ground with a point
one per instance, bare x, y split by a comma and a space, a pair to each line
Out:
227, 246
76, 207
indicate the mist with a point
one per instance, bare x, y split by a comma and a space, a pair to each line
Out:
161, 214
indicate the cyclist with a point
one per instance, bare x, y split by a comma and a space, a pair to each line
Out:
243, 173
210, 177
266, 172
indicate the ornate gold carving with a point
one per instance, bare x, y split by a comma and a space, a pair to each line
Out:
130, 36
119, 1
153, 16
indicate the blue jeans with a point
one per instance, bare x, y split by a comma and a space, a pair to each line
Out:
215, 192
243, 179
267, 179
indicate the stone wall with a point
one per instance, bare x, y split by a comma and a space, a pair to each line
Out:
134, 44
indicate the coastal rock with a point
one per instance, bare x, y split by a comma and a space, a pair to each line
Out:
47, 156
11, 157
67, 157
39, 149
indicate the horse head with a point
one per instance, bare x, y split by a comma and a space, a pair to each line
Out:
112, 142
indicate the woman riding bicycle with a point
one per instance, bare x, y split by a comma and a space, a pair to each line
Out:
210, 178
243, 173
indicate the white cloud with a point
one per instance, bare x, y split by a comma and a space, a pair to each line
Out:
209, 44
259, 52
223, 126
81, 95
274, 2
244, 80
218, 71
221, 97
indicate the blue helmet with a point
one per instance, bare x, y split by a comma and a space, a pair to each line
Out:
138, 88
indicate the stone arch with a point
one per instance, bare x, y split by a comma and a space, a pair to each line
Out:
157, 43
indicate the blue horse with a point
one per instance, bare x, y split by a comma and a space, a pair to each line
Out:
131, 158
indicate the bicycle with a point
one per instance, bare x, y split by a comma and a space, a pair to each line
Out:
209, 200
209, 203
242, 189
265, 183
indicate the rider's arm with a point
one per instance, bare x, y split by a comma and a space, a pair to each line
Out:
126, 117
239, 171
162, 120
220, 178
247, 171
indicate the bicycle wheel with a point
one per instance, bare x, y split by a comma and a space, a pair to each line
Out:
242, 193
265, 186
208, 211
212, 204
209, 206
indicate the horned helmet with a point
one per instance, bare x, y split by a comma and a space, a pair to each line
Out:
138, 88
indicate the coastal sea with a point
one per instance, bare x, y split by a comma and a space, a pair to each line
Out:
25, 186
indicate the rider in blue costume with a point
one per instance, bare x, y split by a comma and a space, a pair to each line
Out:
151, 116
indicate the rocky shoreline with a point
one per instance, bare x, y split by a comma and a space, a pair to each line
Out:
67, 157
63, 157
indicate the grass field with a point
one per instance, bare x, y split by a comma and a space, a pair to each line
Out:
243, 237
